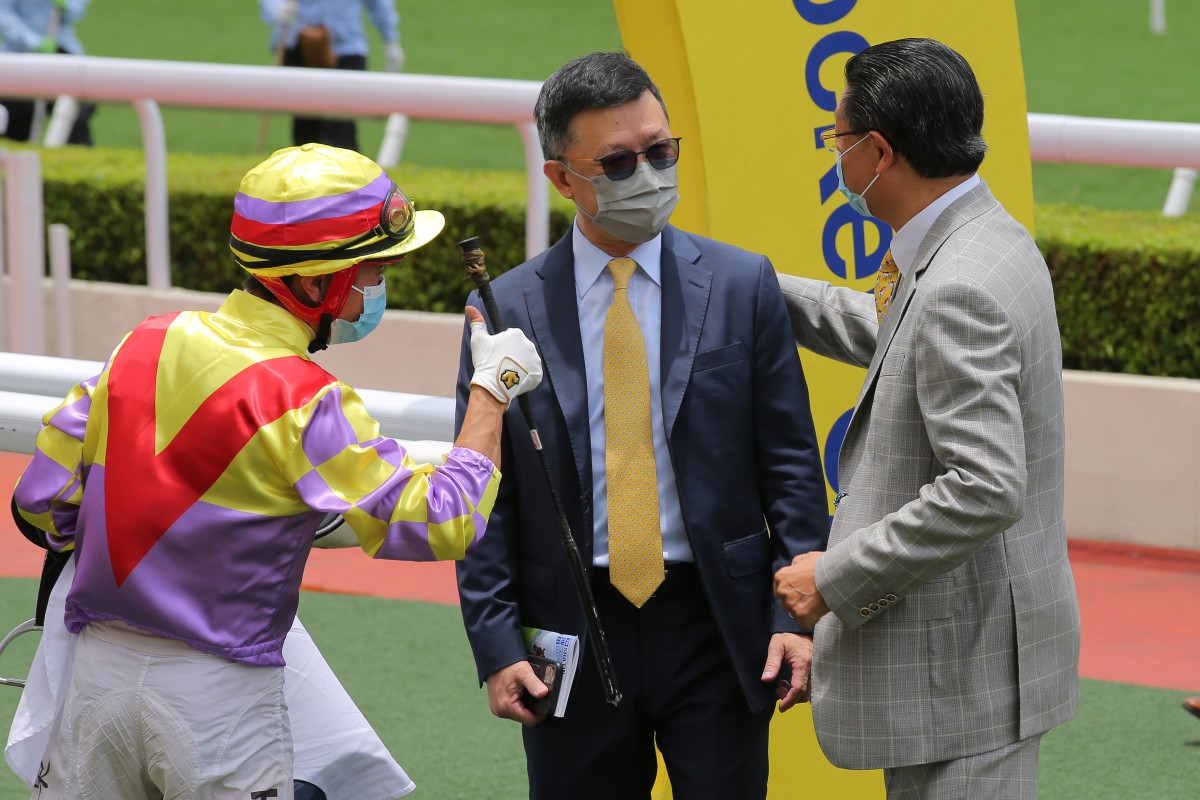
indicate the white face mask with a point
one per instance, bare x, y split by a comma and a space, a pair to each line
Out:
636, 209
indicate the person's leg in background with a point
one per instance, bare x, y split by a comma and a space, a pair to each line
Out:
343, 132
304, 129
333, 132
20, 118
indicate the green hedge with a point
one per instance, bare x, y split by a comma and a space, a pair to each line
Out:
98, 193
1127, 284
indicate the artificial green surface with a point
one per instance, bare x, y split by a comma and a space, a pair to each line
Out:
408, 667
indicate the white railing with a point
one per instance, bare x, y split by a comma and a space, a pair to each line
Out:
147, 83
32, 385
1122, 142
1118, 142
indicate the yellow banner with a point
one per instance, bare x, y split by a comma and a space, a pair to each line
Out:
750, 86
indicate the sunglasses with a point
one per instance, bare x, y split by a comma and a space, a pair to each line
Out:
623, 163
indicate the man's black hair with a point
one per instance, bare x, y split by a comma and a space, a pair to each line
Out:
924, 99
599, 80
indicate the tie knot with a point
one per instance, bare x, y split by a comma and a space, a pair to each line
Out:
889, 266
622, 270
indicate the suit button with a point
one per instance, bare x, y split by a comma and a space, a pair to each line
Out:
883, 603
891, 598
866, 612
874, 607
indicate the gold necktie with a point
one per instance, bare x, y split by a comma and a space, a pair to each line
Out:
634, 535
885, 284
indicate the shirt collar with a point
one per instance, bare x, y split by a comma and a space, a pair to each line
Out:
590, 260
908, 239
275, 325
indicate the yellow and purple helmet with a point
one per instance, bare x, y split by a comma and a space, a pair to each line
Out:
315, 210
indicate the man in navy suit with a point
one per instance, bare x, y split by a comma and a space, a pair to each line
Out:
703, 450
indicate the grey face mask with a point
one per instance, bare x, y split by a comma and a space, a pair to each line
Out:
637, 208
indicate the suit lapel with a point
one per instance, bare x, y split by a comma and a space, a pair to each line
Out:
554, 319
958, 213
685, 291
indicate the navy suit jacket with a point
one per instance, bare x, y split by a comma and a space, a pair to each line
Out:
739, 431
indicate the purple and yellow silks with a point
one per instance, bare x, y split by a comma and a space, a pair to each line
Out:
191, 474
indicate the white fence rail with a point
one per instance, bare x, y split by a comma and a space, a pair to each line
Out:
147, 83
32, 385
1120, 142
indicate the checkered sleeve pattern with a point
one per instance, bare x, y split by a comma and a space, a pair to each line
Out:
50, 489
398, 509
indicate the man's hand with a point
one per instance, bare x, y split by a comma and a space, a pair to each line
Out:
797, 651
506, 364
796, 588
394, 57
505, 687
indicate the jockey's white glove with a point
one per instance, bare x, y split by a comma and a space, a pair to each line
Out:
506, 363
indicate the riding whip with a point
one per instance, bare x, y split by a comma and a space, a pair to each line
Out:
473, 261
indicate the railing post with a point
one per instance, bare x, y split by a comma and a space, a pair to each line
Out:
3, 240
158, 244
1158, 17
60, 273
1180, 193
537, 193
395, 131
26, 252
62, 120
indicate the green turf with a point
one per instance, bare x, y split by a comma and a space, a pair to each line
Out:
1080, 57
522, 39
1099, 59
1125, 743
408, 667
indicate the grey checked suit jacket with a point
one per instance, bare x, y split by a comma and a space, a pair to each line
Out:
955, 626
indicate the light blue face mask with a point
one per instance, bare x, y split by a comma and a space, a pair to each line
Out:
857, 201
374, 302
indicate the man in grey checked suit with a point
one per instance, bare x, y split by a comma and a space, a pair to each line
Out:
953, 642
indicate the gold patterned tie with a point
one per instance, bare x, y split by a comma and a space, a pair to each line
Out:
634, 535
885, 284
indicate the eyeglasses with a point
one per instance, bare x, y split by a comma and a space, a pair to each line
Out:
620, 165
829, 138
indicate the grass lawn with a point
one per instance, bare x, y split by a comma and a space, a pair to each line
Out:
521, 39
1099, 59
1080, 57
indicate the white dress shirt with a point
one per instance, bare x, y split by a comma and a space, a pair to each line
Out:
593, 293
908, 239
